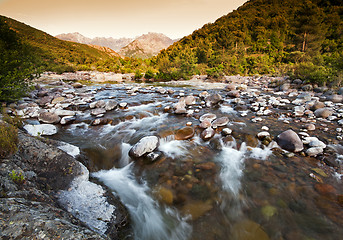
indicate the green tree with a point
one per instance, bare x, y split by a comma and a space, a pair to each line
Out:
16, 65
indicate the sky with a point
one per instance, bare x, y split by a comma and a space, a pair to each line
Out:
118, 18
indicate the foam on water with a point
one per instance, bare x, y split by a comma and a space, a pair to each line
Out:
85, 200
125, 159
173, 148
227, 109
261, 154
232, 161
143, 107
151, 221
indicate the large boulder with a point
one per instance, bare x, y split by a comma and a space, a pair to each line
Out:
49, 117
41, 129
290, 141
145, 145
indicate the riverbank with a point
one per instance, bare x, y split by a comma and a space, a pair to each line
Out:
31, 181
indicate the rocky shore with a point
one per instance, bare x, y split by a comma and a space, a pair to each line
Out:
31, 180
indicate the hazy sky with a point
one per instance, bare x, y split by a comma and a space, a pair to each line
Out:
118, 18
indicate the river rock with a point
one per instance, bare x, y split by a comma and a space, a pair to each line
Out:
205, 124
110, 105
340, 91
63, 113
77, 85
307, 87
98, 111
190, 100
248, 230
184, 133
234, 94
310, 127
213, 100
262, 135
145, 145
207, 134
314, 142
204, 94
314, 151
317, 105
336, 98
230, 87
323, 112
226, 131
100, 121
67, 120
44, 100
41, 129
208, 116
154, 156
48, 117
180, 107
123, 105
290, 141
220, 122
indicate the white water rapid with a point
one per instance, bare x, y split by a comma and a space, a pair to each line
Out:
151, 221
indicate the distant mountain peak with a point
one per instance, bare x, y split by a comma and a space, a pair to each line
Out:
147, 45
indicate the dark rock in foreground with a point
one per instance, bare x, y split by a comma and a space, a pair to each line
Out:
290, 141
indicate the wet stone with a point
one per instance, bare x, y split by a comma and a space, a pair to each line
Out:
220, 122
48, 117
184, 133
290, 141
323, 112
208, 116
207, 134
205, 124
98, 111
67, 120
145, 145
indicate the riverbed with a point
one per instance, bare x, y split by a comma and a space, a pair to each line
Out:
233, 184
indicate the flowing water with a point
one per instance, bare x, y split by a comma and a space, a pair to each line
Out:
227, 188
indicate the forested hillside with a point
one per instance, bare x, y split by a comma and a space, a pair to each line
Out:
302, 38
51, 54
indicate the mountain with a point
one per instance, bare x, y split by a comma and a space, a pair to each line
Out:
74, 37
115, 44
146, 46
53, 54
303, 38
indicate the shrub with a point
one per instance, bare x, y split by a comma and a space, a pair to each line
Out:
17, 177
8, 139
149, 74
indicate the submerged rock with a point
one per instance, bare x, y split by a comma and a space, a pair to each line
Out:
184, 133
248, 230
290, 141
145, 145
